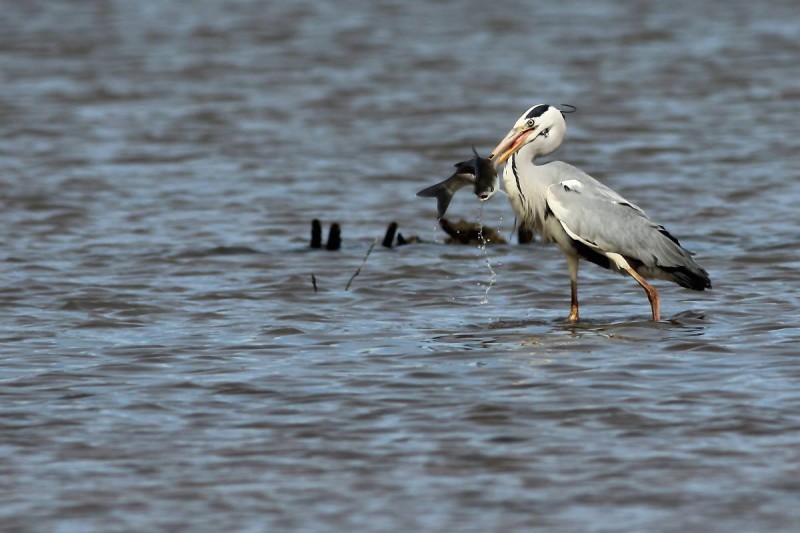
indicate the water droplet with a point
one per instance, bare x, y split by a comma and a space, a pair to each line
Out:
482, 247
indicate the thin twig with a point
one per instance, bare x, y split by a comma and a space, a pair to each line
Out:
363, 262
314, 281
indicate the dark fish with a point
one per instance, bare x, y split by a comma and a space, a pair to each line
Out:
444, 191
478, 171
486, 180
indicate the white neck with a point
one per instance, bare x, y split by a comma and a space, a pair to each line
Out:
542, 146
526, 182
538, 148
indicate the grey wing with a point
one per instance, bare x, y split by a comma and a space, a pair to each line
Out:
608, 223
588, 185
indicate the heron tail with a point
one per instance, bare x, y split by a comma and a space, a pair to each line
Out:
690, 276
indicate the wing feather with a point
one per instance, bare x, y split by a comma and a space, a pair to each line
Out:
600, 218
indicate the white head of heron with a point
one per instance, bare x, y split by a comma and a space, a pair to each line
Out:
542, 126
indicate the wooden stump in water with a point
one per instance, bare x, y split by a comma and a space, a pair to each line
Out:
334, 238
524, 235
464, 232
316, 234
388, 239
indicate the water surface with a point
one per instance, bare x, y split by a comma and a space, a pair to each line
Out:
166, 364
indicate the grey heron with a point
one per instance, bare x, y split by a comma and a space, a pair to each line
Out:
583, 217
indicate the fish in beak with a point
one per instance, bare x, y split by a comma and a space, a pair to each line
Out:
478, 171
486, 180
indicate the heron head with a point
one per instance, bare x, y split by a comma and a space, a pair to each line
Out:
542, 125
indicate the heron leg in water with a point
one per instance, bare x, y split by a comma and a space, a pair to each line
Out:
652, 294
572, 266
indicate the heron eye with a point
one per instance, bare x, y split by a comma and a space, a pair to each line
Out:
530, 122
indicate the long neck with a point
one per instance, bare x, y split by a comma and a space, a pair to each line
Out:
524, 188
542, 146
529, 153
526, 184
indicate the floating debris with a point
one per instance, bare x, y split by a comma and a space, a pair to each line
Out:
464, 232
401, 241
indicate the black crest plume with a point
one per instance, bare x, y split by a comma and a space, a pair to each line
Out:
570, 109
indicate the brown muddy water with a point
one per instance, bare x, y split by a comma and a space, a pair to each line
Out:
166, 365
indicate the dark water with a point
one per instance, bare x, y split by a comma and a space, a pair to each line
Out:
165, 363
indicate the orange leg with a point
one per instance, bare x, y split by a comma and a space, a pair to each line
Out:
573, 309
572, 266
652, 294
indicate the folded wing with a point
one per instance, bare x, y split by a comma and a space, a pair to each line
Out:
605, 222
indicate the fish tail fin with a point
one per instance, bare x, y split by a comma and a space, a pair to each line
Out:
443, 195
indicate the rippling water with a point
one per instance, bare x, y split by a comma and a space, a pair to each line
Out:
166, 364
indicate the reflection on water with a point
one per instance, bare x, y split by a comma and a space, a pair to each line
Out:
168, 364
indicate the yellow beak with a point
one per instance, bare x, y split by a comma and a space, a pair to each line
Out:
510, 144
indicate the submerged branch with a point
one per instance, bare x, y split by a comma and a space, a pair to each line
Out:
363, 262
